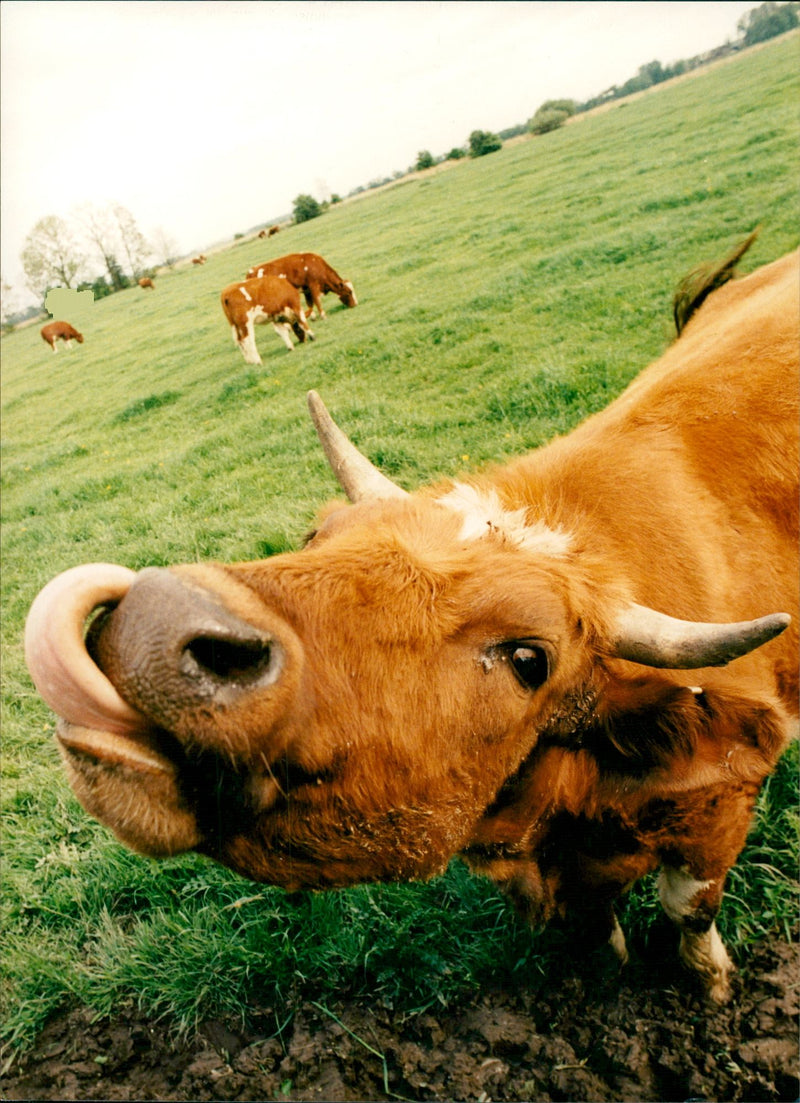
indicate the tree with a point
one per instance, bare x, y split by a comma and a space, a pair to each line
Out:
768, 20
102, 232
456, 153
134, 245
306, 207
424, 160
482, 142
51, 256
165, 248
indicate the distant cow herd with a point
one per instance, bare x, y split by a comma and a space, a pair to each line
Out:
270, 292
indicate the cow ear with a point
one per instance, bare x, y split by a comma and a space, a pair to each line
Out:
646, 723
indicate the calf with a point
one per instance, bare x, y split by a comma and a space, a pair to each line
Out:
146, 282
266, 299
199, 260
312, 275
60, 331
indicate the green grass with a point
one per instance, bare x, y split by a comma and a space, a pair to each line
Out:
501, 301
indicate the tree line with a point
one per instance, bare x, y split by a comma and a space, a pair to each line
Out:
102, 248
98, 248
758, 25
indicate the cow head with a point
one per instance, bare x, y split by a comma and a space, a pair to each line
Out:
348, 295
348, 711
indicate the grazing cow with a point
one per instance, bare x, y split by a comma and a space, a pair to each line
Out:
60, 331
310, 274
262, 233
273, 230
268, 299
199, 260
146, 282
526, 667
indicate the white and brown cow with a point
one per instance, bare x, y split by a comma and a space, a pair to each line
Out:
60, 331
311, 274
266, 299
571, 670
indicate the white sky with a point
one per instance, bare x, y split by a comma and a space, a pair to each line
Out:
207, 118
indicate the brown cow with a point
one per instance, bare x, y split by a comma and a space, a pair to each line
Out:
268, 299
312, 275
146, 282
273, 230
483, 667
199, 260
262, 233
60, 331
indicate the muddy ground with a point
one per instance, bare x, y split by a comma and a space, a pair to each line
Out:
587, 1034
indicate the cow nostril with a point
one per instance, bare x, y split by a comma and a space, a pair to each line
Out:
228, 661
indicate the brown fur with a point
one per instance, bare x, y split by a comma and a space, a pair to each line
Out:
146, 282
60, 331
395, 732
309, 273
278, 298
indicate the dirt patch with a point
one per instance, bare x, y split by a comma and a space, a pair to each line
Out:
588, 1034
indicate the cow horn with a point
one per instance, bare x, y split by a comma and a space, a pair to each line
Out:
358, 478
645, 636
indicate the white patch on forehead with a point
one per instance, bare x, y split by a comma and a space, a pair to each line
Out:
484, 513
246, 294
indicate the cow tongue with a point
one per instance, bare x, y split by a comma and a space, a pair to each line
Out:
63, 672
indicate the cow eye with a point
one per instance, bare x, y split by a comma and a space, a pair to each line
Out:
530, 664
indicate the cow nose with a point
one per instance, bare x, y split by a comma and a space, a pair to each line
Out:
177, 653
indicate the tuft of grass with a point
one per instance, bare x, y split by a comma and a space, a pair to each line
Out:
500, 302
144, 405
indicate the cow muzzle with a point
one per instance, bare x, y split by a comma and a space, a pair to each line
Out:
165, 650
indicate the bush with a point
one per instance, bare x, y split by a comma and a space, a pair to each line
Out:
456, 153
544, 121
424, 160
305, 208
551, 115
482, 142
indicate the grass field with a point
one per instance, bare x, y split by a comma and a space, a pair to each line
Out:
499, 303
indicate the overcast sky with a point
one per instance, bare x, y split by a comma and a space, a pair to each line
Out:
206, 118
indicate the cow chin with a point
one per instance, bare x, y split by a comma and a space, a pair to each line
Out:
160, 803
127, 783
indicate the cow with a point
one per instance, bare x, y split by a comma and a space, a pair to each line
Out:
60, 331
262, 233
571, 670
145, 282
267, 299
273, 230
312, 275
199, 260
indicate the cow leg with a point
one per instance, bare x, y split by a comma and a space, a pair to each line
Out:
316, 298
616, 941
283, 329
55, 346
246, 340
302, 328
692, 906
67, 342
310, 304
